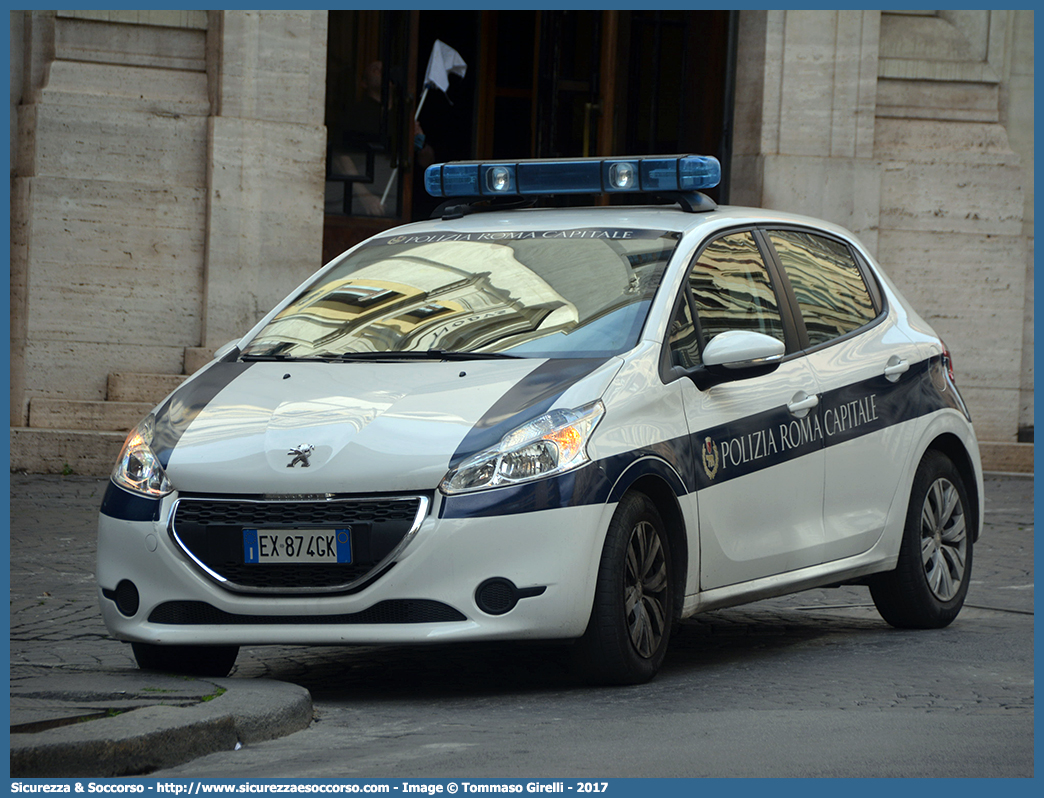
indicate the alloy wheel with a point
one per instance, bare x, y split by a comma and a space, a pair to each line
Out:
943, 539
645, 589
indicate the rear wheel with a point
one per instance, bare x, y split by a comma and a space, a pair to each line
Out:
927, 588
631, 621
186, 660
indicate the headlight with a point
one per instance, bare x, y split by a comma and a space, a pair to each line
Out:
138, 468
551, 444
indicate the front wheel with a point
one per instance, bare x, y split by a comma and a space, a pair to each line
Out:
633, 613
214, 661
927, 588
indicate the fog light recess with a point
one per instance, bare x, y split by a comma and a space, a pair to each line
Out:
498, 595
126, 598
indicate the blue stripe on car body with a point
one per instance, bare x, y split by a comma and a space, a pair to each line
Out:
750, 444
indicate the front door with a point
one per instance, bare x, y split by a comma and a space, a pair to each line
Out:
758, 449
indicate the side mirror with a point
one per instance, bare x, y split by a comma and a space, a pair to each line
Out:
742, 349
737, 355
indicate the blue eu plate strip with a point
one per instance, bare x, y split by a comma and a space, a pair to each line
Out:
251, 551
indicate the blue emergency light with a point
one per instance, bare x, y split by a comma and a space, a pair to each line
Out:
657, 173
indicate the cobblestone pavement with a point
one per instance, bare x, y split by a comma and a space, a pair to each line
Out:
957, 701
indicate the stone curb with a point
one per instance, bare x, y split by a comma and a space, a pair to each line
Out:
150, 738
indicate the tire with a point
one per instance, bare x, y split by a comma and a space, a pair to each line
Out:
927, 588
633, 613
186, 660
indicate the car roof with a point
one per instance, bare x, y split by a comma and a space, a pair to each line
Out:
651, 217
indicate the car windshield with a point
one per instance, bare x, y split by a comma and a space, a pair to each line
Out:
560, 293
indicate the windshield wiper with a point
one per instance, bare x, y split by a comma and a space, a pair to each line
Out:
429, 354
273, 356
278, 356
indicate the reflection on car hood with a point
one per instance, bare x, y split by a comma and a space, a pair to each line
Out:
370, 426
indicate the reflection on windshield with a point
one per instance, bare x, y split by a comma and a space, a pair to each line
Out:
543, 294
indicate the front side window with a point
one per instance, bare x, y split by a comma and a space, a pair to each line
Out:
732, 288
558, 293
827, 283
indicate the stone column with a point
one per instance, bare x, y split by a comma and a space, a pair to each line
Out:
805, 96
108, 199
266, 154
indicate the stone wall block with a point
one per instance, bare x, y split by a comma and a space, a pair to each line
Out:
952, 197
855, 84
944, 100
273, 66
38, 52
969, 288
21, 201
164, 47
745, 180
843, 191
1026, 402
110, 303
928, 140
994, 412
265, 227
167, 92
750, 104
79, 370
807, 105
164, 17
115, 262
944, 46
120, 146
23, 148
773, 97
150, 226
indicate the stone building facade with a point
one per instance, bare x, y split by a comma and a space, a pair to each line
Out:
168, 171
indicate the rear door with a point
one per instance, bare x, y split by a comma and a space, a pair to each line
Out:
865, 366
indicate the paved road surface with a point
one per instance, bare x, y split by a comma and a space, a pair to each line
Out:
808, 685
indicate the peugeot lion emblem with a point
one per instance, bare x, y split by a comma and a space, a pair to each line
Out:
300, 454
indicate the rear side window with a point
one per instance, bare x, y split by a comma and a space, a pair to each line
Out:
827, 283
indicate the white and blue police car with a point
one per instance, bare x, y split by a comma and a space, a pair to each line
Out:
575, 424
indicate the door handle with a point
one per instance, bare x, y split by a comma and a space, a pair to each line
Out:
896, 368
801, 404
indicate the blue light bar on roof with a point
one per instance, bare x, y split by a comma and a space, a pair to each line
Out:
658, 173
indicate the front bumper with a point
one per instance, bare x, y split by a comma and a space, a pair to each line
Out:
427, 596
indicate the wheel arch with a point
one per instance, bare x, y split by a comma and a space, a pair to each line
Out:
658, 480
952, 446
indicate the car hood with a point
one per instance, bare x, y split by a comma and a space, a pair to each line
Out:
372, 426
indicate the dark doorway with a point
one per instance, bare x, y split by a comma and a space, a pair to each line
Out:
447, 119
369, 123
538, 84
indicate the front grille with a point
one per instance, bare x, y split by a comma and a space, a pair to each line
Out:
199, 613
210, 531
230, 512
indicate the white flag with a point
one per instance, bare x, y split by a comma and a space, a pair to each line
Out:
443, 62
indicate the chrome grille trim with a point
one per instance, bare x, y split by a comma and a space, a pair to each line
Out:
423, 504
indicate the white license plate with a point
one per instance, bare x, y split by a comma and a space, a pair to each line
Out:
261, 546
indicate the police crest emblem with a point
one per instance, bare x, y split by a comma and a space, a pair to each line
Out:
711, 458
